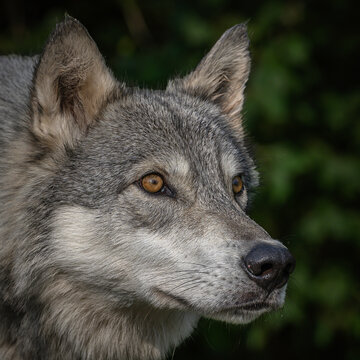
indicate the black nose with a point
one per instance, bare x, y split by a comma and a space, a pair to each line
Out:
269, 265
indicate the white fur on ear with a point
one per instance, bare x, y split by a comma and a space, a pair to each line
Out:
222, 74
70, 86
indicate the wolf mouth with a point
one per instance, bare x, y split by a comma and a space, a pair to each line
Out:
256, 306
243, 313
246, 307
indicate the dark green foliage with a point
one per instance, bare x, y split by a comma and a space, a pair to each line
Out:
302, 109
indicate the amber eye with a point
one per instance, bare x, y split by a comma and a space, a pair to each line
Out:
237, 184
152, 183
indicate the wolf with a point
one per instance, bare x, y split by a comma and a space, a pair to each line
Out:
123, 210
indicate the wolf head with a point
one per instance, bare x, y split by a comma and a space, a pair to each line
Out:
148, 189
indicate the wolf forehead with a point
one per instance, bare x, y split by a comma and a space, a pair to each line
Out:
109, 128
171, 132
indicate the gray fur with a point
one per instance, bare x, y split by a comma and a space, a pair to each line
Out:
91, 266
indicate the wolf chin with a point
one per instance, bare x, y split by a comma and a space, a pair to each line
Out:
123, 210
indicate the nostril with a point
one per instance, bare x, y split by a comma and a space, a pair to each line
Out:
288, 269
266, 268
290, 266
260, 268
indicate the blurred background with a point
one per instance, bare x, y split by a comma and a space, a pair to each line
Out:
302, 113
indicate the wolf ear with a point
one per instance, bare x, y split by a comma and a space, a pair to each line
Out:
71, 84
222, 74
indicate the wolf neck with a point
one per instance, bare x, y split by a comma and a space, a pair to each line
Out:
107, 331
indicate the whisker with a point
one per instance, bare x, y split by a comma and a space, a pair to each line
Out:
185, 283
174, 280
195, 284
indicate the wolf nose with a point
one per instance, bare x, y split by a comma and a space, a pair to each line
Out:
269, 266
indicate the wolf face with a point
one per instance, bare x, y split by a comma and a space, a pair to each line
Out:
136, 219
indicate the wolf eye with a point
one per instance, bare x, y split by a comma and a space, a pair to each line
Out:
237, 185
152, 183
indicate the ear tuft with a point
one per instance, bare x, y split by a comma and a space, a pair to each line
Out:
71, 84
222, 74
